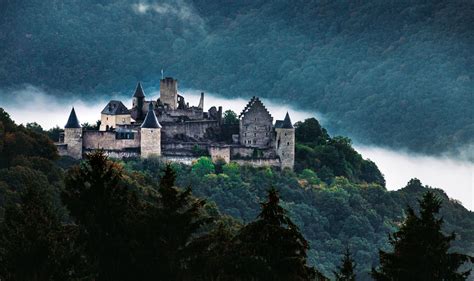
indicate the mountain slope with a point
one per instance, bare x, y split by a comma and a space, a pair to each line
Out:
391, 73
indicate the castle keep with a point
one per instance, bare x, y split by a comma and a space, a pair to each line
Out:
170, 128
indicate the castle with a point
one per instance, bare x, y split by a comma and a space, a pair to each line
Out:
170, 128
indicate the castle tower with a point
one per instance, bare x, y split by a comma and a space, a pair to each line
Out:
73, 136
169, 92
285, 142
255, 126
150, 141
137, 102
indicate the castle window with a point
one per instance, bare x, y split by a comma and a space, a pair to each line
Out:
245, 134
285, 134
254, 134
288, 143
266, 134
107, 118
254, 141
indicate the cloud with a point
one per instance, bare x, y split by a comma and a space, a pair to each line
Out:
178, 9
452, 175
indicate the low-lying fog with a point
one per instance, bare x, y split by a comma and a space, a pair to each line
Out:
454, 176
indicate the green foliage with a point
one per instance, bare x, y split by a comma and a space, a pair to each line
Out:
20, 141
272, 247
329, 217
54, 133
331, 157
346, 269
420, 249
87, 126
230, 117
101, 203
34, 244
172, 223
203, 166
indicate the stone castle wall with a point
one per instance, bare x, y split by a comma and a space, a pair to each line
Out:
169, 92
193, 129
150, 142
73, 138
220, 153
108, 141
112, 121
285, 146
248, 152
118, 154
256, 128
275, 162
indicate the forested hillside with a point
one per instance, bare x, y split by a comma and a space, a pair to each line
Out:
101, 209
397, 73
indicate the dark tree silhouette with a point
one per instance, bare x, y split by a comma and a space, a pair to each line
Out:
105, 209
35, 245
345, 272
272, 247
174, 219
420, 249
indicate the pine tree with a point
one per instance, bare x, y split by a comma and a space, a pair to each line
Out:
420, 249
345, 272
35, 245
175, 218
105, 209
272, 247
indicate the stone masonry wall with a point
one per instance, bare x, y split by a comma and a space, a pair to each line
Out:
285, 147
73, 137
220, 152
256, 127
150, 142
107, 141
193, 129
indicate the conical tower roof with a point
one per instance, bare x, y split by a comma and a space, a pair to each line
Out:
287, 122
72, 122
139, 91
151, 122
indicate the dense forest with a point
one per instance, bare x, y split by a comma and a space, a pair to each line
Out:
221, 216
396, 73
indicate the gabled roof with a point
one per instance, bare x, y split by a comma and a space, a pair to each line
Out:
151, 122
139, 91
284, 124
72, 121
115, 107
254, 101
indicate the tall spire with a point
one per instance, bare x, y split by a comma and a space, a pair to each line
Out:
151, 122
72, 122
201, 101
287, 122
139, 91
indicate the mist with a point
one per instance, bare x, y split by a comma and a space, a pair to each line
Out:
453, 175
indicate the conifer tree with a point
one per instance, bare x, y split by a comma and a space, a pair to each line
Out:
345, 272
35, 245
104, 208
420, 249
272, 247
174, 220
